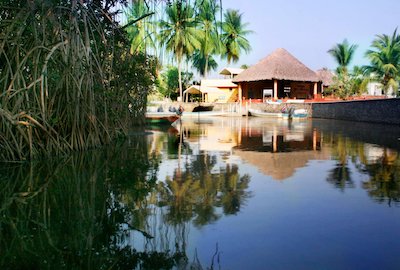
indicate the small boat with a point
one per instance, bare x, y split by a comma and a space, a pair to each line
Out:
161, 117
203, 108
296, 114
259, 113
203, 114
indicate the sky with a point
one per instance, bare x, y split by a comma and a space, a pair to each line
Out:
309, 28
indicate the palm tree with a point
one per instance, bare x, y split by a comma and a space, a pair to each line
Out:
140, 33
210, 43
359, 81
234, 35
179, 34
202, 63
343, 54
385, 60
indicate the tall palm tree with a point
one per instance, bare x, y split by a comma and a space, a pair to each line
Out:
343, 53
234, 35
179, 33
211, 42
385, 60
142, 32
202, 63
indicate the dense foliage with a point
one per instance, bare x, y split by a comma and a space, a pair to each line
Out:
168, 82
385, 60
384, 67
66, 79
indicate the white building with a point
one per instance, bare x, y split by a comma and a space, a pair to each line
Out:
375, 89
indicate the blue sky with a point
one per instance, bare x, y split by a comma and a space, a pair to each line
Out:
309, 28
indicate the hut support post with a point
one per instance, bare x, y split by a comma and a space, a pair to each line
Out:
275, 89
240, 93
315, 90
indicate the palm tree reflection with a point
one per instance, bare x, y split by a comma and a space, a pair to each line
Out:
384, 182
380, 164
343, 150
196, 193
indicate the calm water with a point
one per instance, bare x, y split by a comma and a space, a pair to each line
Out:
226, 193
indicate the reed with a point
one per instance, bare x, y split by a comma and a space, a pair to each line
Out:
66, 79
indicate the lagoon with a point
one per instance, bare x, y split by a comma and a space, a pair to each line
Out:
218, 193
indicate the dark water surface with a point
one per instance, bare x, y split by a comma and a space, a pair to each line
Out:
224, 193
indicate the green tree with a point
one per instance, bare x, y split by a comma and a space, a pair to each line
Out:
359, 81
169, 82
349, 84
234, 36
66, 78
343, 53
210, 42
179, 33
202, 63
344, 83
141, 33
385, 60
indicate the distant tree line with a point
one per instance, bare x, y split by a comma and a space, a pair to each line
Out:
384, 66
192, 32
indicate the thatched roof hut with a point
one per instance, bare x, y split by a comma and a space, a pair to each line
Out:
326, 76
279, 65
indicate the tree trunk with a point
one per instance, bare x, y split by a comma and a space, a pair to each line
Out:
180, 80
206, 67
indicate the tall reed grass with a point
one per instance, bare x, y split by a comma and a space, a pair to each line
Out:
66, 79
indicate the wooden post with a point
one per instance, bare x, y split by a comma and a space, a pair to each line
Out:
239, 131
315, 90
275, 89
240, 93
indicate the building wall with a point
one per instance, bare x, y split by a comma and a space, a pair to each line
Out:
298, 90
375, 89
375, 111
254, 90
223, 96
302, 90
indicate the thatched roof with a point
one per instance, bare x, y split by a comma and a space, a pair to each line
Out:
326, 76
280, 65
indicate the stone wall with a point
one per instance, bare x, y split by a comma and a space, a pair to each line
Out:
277, 108
375, 111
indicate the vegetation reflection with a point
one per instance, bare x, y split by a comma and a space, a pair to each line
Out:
94, 210
379, 163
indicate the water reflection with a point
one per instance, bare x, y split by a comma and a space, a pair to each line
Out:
384, 182
74, 213
380, 164
140, 204
276, 147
